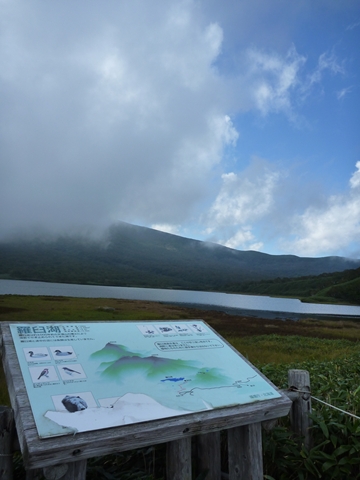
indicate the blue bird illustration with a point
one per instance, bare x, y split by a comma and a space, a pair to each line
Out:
59, 353
74, 403
37, 355
69, 371
44, 373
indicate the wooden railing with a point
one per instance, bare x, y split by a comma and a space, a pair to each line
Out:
244, 444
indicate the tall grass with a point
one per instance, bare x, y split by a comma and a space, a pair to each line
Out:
280, 349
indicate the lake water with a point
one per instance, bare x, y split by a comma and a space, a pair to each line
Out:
251, 304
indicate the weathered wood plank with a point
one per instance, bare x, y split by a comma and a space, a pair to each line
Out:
245, 453
16, 387
208, 454
299, 380
103, 442
178, 459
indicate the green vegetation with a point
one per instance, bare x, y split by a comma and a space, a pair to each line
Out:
47, 308
336, 436
338, 287
278, 349
136, 256
329, 350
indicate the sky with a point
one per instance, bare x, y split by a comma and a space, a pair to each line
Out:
235, 122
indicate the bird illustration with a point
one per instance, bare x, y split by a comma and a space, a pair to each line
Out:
179, 329
44, 373
74, 403
59, 353
37, 355
69, 371
197, 327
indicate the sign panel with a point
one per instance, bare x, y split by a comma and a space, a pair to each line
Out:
88, 376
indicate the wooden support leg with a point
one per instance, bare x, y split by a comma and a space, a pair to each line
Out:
178, 459
7, 432
209, 455
299, 380
245, 452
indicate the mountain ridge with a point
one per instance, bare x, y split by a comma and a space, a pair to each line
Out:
131, 255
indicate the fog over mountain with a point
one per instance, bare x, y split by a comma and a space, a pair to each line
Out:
234, 121
130, 255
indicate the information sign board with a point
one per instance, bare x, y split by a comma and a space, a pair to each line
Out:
89, 376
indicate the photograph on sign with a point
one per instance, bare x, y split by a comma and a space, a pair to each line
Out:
89, 376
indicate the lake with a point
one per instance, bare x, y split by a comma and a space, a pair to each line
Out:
262, 306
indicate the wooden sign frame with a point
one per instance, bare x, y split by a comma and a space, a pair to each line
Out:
43, 452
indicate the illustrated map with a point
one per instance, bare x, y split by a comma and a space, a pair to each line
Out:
88, 376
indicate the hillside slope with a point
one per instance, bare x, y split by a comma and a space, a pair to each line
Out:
325, 288
130, 255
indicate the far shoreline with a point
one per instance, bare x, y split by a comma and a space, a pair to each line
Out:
262, 314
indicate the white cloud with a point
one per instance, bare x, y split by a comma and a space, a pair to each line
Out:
243, 199
355, 178
343, 92
196, 156
326, 62
333, 228
190, 64
243, 240
167, 228
276, 83
353, 25
274, 79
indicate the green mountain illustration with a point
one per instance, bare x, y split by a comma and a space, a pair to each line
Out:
112, 352
152, 367
118, 363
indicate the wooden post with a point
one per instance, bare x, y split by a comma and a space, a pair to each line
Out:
245, 452
178, 459
7, 433
299, 381
209, 455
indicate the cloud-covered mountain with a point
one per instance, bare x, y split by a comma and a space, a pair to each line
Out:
130, 255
